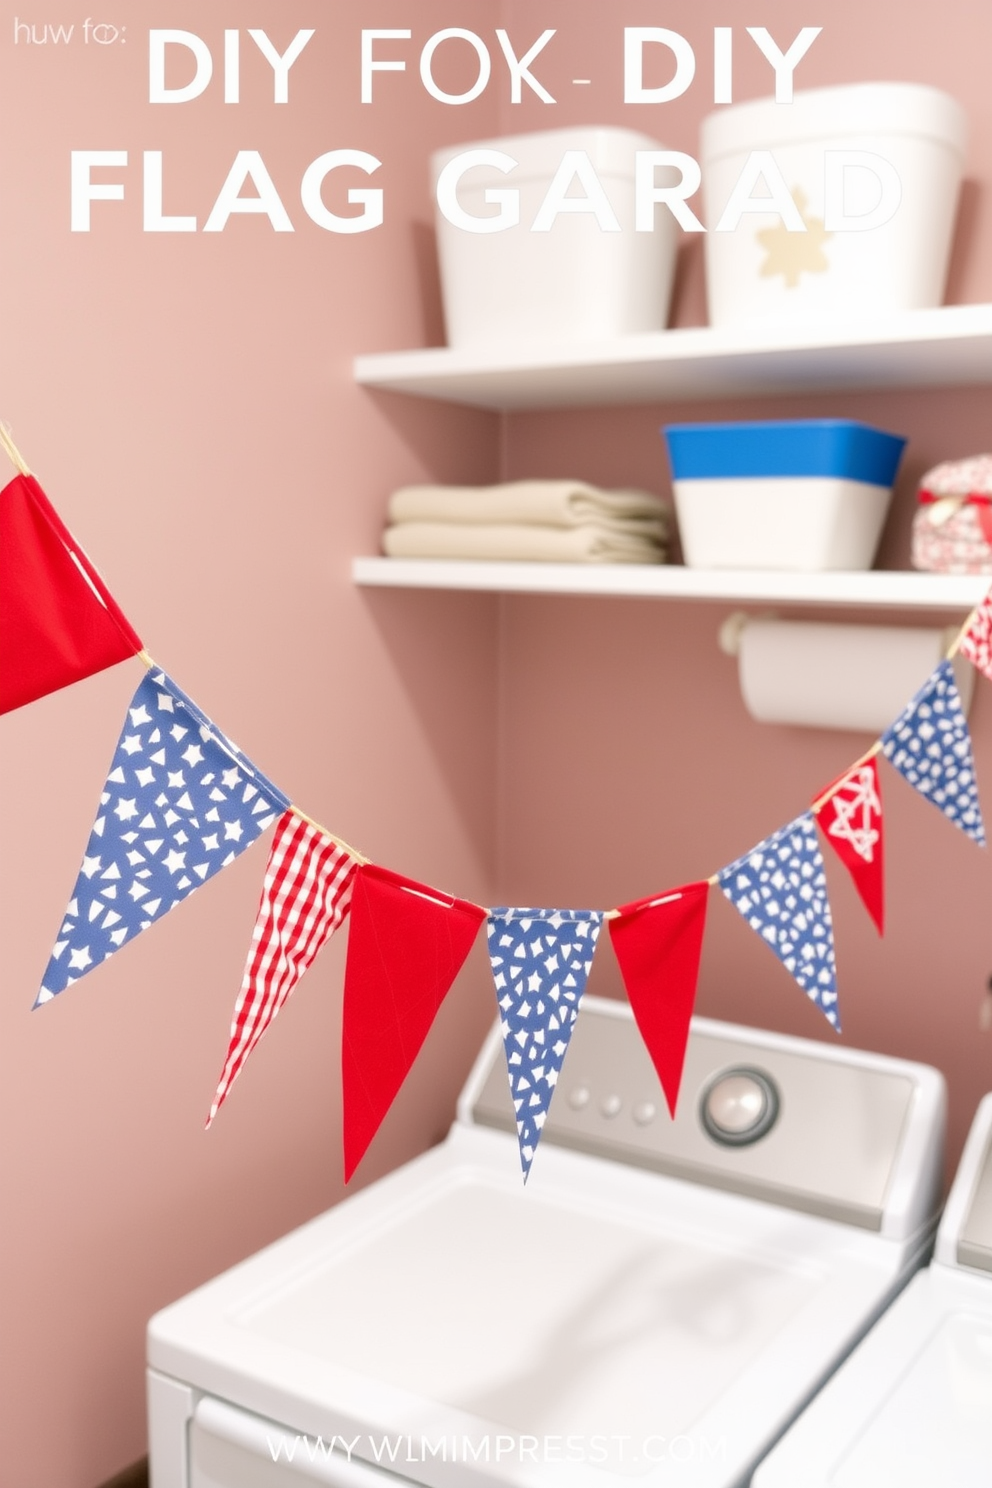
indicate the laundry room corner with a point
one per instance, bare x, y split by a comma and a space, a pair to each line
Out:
363, 574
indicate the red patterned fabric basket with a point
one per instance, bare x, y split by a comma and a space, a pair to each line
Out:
952, 530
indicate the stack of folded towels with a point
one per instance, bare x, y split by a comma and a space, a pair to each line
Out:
539, 521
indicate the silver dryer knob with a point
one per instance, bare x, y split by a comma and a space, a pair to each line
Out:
739, 1106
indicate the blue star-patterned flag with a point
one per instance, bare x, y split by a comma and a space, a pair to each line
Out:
929, 744
780, 889
541, 960
180, 803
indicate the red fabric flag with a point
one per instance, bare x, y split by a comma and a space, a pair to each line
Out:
58, 621
406, 945
851, 820
976, 643
658, 942
305, 898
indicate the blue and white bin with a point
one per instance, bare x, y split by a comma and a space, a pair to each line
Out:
798, 494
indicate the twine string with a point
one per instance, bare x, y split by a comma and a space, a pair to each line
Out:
338, 842
956, 644
832, 790
13, 453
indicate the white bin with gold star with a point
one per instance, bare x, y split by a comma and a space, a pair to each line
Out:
832, 203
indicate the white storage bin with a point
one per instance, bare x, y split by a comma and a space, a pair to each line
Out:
845, 154
797, 494
575, 282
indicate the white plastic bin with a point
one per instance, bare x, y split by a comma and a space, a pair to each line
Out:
580, 280
798, 494
846, 155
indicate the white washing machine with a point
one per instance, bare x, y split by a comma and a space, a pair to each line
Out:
655, 1306
912, 1407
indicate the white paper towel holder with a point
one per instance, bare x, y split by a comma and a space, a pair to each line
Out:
834, 675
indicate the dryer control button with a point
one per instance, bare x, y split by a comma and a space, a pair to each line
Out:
578, 1098
739, 1106
645, 1112
610, 1105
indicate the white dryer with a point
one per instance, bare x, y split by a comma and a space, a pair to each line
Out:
912, 1407
655, 1306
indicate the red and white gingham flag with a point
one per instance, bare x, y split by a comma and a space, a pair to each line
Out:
305, 897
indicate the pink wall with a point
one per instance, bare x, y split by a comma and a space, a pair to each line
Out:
187, 402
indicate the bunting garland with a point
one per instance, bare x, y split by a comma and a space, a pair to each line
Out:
850, 816
540, 959
306, 895
929, 744
181, 802
780, 889
657, 943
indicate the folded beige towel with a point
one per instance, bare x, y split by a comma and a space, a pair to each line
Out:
518, 542
547, 503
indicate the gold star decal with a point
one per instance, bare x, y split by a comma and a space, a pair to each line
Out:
793, 253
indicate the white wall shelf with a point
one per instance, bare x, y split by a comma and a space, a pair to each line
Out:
876, 589
945, 347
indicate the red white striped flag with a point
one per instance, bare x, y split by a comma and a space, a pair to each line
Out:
305, 897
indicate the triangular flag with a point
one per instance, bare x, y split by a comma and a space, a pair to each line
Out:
541, 960
976, 643
929, 744
305, 897
850, 818
180, 803
406, 945
58, 621
780, 889
658, 942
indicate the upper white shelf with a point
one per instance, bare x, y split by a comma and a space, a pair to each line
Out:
944, 347
875, 589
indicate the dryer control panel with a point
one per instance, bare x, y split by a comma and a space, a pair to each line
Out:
802, 1124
